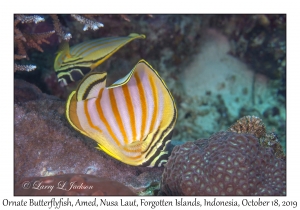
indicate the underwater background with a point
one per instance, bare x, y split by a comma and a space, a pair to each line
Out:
219, 68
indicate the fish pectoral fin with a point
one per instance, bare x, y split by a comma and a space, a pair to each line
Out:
135, 146
138, 146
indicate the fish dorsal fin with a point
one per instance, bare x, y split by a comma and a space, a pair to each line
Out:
125, 79
91, 85
135, 35
108, 47
122, 81
64, 48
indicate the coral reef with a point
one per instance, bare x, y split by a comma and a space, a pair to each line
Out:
211, 87
70, 184
249, 124
259, 40
24, 40
46, 145
218, 70
88, 22
254, 125
270, 140
159, 47
217, 88
225, 164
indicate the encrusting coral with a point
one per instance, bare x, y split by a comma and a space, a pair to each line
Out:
255, 126
227, 163
270, 140
249, 124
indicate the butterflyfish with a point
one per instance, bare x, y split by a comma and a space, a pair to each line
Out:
131, 120
72, 63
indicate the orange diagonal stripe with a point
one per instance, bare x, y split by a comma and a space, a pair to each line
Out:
86, 112
117, 114
143, 104
130, 110
103, 119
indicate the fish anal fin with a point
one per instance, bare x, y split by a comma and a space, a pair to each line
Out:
104, 149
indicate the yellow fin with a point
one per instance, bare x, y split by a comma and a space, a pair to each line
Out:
62, 52
90, 86
104, 149
133, 35
72, 63
64, 47
71, 115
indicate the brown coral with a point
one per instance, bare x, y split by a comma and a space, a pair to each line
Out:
254, 125
62, 35
225, 164
23, 41
270, 140
249, 124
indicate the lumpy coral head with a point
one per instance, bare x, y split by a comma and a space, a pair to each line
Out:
225, 164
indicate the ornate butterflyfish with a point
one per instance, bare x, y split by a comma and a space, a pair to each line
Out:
72, 63
131, 120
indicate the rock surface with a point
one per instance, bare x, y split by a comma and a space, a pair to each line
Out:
46, 145
70, 184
